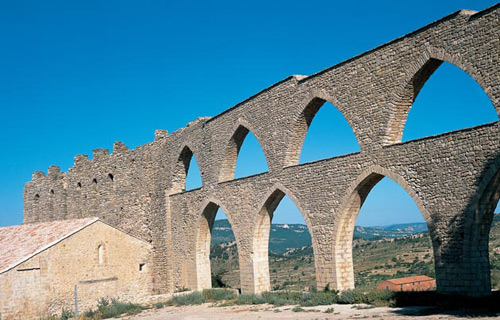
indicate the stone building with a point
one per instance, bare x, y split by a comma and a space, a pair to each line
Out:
41, 263
453, 177
416, 283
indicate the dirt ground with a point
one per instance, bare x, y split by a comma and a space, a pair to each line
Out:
208, 311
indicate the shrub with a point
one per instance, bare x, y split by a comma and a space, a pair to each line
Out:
281, 298
298, 309
318, 299
218, 294
330, 310
373, 297
380, 298
187, 299
347, 297
66, 314
250, 299
110, 309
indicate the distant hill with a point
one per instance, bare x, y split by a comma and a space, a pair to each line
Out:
376, 259
222, 232
288, 236
391, 232
283, 236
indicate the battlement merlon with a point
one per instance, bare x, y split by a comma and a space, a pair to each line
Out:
118, 147
53, 172
79, 159
100, 153
37, 175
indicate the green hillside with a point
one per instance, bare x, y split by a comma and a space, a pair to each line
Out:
291, 263
284, 237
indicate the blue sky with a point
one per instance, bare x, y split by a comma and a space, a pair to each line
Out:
79, 75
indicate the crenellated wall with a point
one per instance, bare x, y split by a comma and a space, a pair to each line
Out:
454, 177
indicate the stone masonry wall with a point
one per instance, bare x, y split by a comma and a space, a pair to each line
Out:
452, 177
44, 284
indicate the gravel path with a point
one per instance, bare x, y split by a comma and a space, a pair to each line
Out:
208, 311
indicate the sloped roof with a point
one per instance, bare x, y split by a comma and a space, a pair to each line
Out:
21, 242
410, 279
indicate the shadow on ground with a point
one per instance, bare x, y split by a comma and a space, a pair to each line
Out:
430, 303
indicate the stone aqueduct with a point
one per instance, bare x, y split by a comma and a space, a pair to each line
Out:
454, 177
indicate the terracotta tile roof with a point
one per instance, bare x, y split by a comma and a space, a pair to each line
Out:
410, 279
19, 243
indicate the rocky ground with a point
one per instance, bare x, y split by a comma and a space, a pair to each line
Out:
209, 311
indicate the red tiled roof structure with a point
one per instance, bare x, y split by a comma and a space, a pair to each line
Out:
409, 279
19, 243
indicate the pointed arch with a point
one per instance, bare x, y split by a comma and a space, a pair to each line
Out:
181, 168
345, 220
310, 107
417, 75
203, 240
487, 202
486, 199
232, 150
262, 229
481, 212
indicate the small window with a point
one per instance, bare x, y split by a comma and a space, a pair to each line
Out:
37, 196
52, 191
100, 253
111, 177
94, 181
79, 185
142, 266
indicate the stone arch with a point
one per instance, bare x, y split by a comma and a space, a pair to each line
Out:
345, 220
181, 168
478, 225
488, 194
308, 108
417, 75
203, 239
262, 228
230, 154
